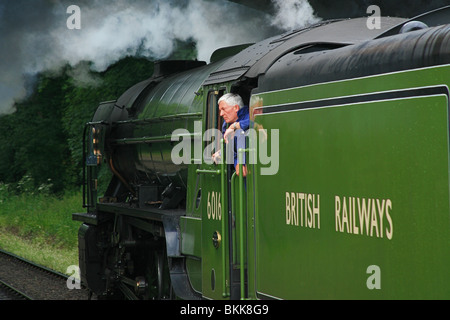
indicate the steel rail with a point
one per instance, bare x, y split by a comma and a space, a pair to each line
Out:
33, 264
14, 291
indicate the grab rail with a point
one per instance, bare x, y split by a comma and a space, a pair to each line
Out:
241, 221
224, 189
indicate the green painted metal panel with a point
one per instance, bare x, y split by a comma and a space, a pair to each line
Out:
358, 186
194, 269
190, 227
212, 216
429, 76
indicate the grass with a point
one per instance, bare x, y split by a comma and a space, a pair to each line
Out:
40, 228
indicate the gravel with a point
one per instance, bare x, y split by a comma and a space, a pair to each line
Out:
36, 283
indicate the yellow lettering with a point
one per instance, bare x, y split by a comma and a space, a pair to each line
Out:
337, 213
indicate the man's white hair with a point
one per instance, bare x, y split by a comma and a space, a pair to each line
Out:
232, 99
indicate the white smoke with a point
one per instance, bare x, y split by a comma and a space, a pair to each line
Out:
34, 38
150, 28
293, 14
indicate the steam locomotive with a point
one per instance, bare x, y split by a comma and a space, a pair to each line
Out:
347, 188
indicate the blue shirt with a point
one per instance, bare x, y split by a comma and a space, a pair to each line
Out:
239, 139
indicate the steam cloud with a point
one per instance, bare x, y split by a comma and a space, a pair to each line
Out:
293, 14
34, 35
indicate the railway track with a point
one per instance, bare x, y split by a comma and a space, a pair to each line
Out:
9, 293
21, 279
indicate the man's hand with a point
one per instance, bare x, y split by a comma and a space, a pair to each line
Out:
216, 157
244, 170
230, 131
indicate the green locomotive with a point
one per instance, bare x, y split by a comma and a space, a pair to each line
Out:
347, 188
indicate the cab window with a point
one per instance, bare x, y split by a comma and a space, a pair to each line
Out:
213, 121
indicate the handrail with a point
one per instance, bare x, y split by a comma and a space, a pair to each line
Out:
241, 220
223, 186
154, 139
198, 171
83, 181
88, 199
171, 117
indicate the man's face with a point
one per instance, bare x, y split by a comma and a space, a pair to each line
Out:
229, 113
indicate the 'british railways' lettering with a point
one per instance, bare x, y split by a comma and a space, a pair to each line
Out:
369, 217
353, 215
303, 209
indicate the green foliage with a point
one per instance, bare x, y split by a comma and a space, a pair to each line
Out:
81, 103
35, 137
41, 143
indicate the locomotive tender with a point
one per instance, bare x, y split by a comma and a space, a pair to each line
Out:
347, 190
